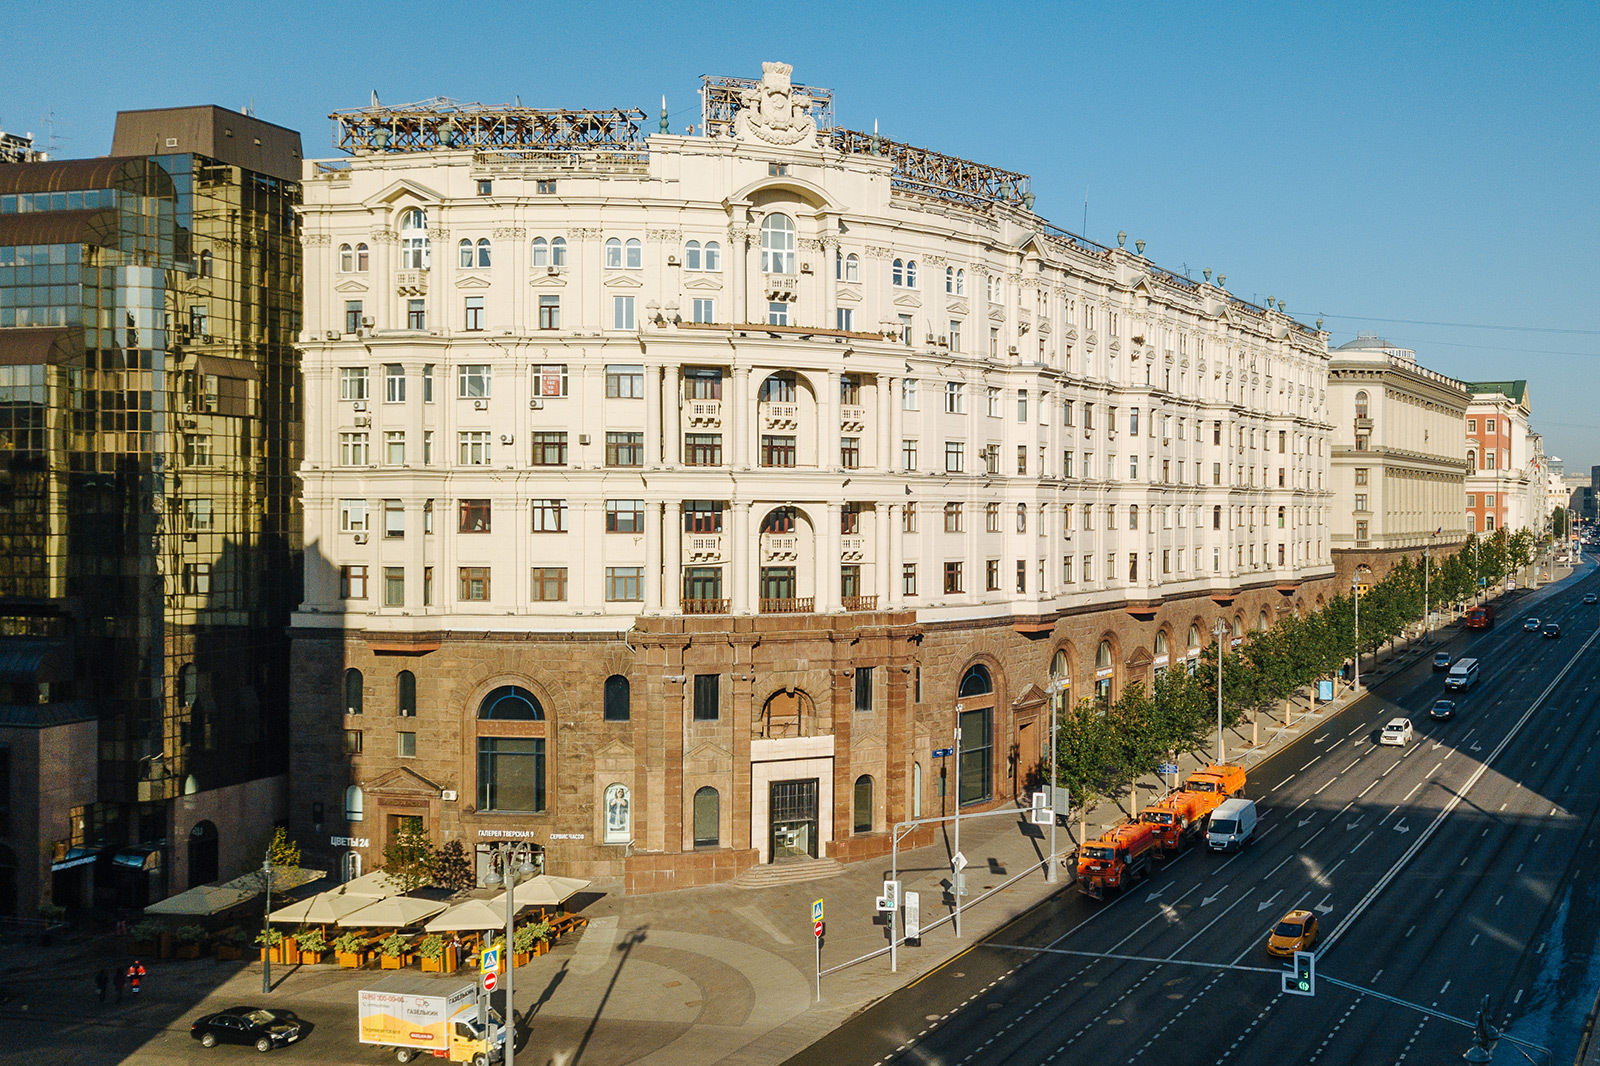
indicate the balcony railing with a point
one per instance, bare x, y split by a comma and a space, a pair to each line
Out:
852, 417
779, 549
705, 412
704, 547
780, 415
411, 282
705, 606
851, 547
792, 605
860, 603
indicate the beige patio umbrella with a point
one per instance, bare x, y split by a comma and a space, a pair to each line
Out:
545, 890
395, 912
325, 908
472, 914
376, 884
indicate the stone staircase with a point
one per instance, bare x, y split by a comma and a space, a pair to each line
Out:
789, 872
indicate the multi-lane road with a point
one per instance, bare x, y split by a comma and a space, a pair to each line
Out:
1455, 868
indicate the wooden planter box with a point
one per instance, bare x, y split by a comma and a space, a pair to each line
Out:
274, 953
311, 958
521, 958
229, 953
187, 951
291, 952
350, 960
541, 947
452, 960
393, 962
432, 965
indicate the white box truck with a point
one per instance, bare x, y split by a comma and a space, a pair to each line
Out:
414, 1015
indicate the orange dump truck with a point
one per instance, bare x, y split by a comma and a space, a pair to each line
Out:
1215, 784
1120, 857
1177, 818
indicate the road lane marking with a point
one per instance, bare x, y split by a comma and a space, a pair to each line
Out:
1369, 788
1342, 772
1280, 784
1414, 788
1318, 792
1362, 841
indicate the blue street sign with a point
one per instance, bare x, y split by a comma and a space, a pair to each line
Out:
940, 753
1168, 768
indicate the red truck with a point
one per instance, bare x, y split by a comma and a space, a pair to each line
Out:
1121, 856
1481, 616
1178, 818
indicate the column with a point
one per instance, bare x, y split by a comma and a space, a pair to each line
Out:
896, 558
652, 557
671, 417
751, 566
827, 280
672, 557
741, 548
883, 418
828, 561
828, 419
654, 445
739, 418
739, 258
887, 515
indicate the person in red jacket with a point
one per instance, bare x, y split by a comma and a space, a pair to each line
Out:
135, 975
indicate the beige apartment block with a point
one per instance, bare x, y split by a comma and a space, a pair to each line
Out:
671, 499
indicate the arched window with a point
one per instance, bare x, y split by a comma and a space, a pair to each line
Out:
950, 280
483, 251
778, 388
1361, 404
1162, 647
541, 252
465, 248
204, 268
635, 258
415, 252
863, 805
779, 520
1103, 674
707, 818
362, 258
898, 274
406, 694
691, 256
558, 251
616, 699
1238, 626
1194, 637
961, 282
1102, 655
188, 685
1472, 458
1059, 667
852, 268
355, 807
911, 273
1261, 621
1022, 518
352, 692
975, 682
347, 259
777, 244
713, 256
511, 703
916, 790
614, 253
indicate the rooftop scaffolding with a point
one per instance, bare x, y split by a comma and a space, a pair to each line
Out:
720, 98
930, 173
506, 129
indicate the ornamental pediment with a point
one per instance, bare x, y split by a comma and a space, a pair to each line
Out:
997, 313
908, 299
548, 281
350, 286
847, 293
472, 281
400, 190
1030, 696
703, 283
623, 281
956, 307
404, 782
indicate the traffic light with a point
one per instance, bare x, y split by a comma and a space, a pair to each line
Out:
1303, 981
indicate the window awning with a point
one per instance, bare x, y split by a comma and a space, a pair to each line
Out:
76, 857
139, 857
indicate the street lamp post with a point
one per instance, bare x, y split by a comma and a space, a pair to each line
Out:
1220, 630
266, 928
955, 870
1056, 705
1355, 594
514, 859
1426, 628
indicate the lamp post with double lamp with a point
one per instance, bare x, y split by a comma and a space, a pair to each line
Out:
1058, 689
1355, 594
1426, 627
1220, 630
266, 927
514, 859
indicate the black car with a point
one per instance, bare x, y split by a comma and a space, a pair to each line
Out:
1442, 710
262, 1028
1589, 597
1552, 629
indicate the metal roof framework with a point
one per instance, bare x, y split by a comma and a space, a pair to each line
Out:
489, 129
720, 101
930, 173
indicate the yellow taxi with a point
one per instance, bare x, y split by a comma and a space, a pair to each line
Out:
1295, 931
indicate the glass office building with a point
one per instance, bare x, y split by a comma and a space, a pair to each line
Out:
149, 538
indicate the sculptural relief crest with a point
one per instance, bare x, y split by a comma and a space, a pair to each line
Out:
773, 112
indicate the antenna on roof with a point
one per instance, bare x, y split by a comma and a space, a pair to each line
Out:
375, 99
1085, 211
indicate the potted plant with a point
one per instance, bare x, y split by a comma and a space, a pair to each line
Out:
431, 952
313, 944
531, 939
271, 944
146, 937
189, 939
350, 947
392, 952
52, 913
231, 945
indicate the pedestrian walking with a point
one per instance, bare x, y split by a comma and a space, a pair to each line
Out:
102, 981
135, 975
118, 980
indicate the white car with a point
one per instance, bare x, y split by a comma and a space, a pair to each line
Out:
1397, 732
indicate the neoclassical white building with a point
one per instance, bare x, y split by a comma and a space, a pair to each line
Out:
747, 461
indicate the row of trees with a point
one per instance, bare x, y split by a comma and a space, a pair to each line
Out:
1102, 749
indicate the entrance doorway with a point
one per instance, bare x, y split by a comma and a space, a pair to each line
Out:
793, 819
1028, 752
203, 846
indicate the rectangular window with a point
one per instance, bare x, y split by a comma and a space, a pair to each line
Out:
1472, 499
353, 516
394, 586
702, 449
1066, 569
845, 318
952, 577
545, 187
1133, 468
955, 399
624, 584
624, 449
704, 311
624, 516
707, 697
777, 313
549, 312
1472, 425
197, 579
624, 382
427, 447
474, 516
394, 447
550, 380
908, 455
908, 519
1022, 458
549, 584
427, 383
953, 338
473, 447
1361, 501
863, 688
850, 453
908, 579
905, 330
777, 451
1133, 422
1066, 464
352, 383
991, 575
1361, 475
352, 582
550, 449
474, 584
952, 517
549, 516
1022, 575
1488, 425
992, 394
511, 774
353, 449
991, 517
352, 742
954, 456
394, 519
352, 316
472, 381
702, 383
427, 586
407, 745
702, 516
1022, 405
473, 314
416, 314
622, 312
197, 449
197, 515
910, 395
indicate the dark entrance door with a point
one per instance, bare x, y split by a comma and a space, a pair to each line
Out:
792, 818
202, 854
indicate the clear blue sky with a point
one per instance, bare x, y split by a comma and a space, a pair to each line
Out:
1427, 162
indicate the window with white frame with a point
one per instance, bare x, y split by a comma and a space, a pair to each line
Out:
845, 318
347, 259
352, 516
910, 395
550, 380
624, 382
473, 314
466, 258
777, 313
394, 447
197, 515
953, 338
955, 398
472, 381
777, 244
549, 516
353, 449
540, 252
703, 310
992, 395
394, 383
622, 312
352, 383
473, 447
847, 268
614, 253
549, 311
415, 253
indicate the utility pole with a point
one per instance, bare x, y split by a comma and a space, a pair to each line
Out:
955, 868
1355, 593
1426, 628
1220, 630
266, 927
1056, 706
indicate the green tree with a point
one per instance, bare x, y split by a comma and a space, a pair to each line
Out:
450, 867
1558, 523
408, 860
1085, 758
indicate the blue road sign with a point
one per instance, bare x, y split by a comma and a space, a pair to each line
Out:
940, 753
1168, 768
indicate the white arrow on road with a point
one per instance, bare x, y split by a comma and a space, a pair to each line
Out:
1476, 747
1306, 821
1323, 908
1263, 906
1212, 899
1353, 825
1156, 893
1401, 827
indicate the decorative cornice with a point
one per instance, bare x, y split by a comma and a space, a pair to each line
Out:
509, 233
439, 233
583, 233
667, 236
878, 251
385, 236
314, 239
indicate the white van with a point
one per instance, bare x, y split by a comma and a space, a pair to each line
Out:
1232, 824
1462, 674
